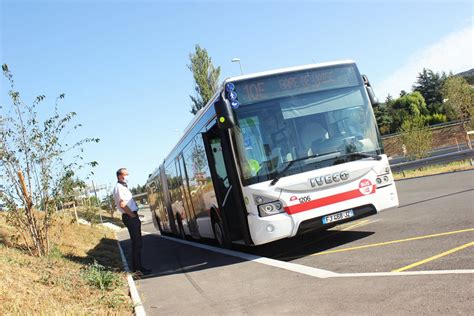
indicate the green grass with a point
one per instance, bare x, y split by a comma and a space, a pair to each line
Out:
99, 276
434, 169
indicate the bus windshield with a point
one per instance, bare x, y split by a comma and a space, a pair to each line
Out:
320, 114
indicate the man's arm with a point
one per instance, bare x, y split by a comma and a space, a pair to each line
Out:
124, 206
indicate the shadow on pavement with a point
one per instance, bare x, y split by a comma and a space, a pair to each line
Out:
307, 244
166, 257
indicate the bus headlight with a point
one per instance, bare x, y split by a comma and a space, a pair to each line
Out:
383, 177
271, 208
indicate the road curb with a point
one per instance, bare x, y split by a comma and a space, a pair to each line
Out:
137, 303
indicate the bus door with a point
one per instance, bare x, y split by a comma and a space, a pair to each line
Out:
226, 185
188, 206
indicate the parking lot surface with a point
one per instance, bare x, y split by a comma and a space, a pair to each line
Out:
416, 259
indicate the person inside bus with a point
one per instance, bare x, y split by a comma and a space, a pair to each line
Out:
129, 209
312, 137
279, 138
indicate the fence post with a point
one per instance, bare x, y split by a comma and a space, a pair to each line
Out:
469, 145
75, 212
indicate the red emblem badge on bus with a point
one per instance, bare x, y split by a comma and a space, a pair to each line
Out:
293, 198
366, 187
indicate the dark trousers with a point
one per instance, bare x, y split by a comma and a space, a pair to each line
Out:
134, 227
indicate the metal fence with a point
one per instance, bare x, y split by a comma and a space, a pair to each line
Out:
444, 158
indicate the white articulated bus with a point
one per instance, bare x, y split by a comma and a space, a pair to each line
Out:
273, 155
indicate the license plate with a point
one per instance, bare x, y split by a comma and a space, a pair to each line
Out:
338, 216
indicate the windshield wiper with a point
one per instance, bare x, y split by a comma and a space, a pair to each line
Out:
290, 163
363, 155
354, 154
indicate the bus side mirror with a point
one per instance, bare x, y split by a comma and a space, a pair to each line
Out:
225, 116
373, 99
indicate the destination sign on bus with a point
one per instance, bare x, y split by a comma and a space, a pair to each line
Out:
312, 80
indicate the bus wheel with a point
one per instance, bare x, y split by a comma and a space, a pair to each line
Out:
218, 232
221, 238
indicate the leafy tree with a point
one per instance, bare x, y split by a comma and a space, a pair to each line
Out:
416, 136
436, 118
206, 78
91, 214
94, 201
69, 185
468, 75
408, 105
108, 204
429, 84
459, 100
138, 189
383, 118
34, 165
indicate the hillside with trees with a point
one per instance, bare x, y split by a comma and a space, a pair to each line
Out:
435, 98
468, 76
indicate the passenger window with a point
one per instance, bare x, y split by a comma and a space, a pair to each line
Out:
253, 143
221, 170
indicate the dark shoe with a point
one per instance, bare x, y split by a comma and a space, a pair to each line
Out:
137, 275
145, 271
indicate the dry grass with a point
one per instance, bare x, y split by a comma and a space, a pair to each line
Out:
55, 285
94, 215
435, 169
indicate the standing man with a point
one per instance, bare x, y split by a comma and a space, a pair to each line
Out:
129, 209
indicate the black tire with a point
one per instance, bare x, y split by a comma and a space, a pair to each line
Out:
219, 234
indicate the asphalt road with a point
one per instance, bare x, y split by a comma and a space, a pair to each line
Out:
349, 269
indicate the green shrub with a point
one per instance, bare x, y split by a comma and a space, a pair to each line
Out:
416, 136
90, 214
55, 253
437, 118
100, 277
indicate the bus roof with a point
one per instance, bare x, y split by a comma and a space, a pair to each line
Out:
288, 69
201, 112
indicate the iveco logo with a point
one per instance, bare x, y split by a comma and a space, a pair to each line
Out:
330, 178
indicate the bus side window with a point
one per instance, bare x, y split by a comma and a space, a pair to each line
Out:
219, 161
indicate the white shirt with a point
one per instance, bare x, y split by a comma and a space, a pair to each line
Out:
122, 193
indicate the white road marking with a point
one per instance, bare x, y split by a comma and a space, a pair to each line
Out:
310, 271
314, 272
406, 273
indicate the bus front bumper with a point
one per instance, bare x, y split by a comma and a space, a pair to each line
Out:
267, 229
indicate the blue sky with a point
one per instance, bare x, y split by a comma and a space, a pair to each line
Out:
122, 65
